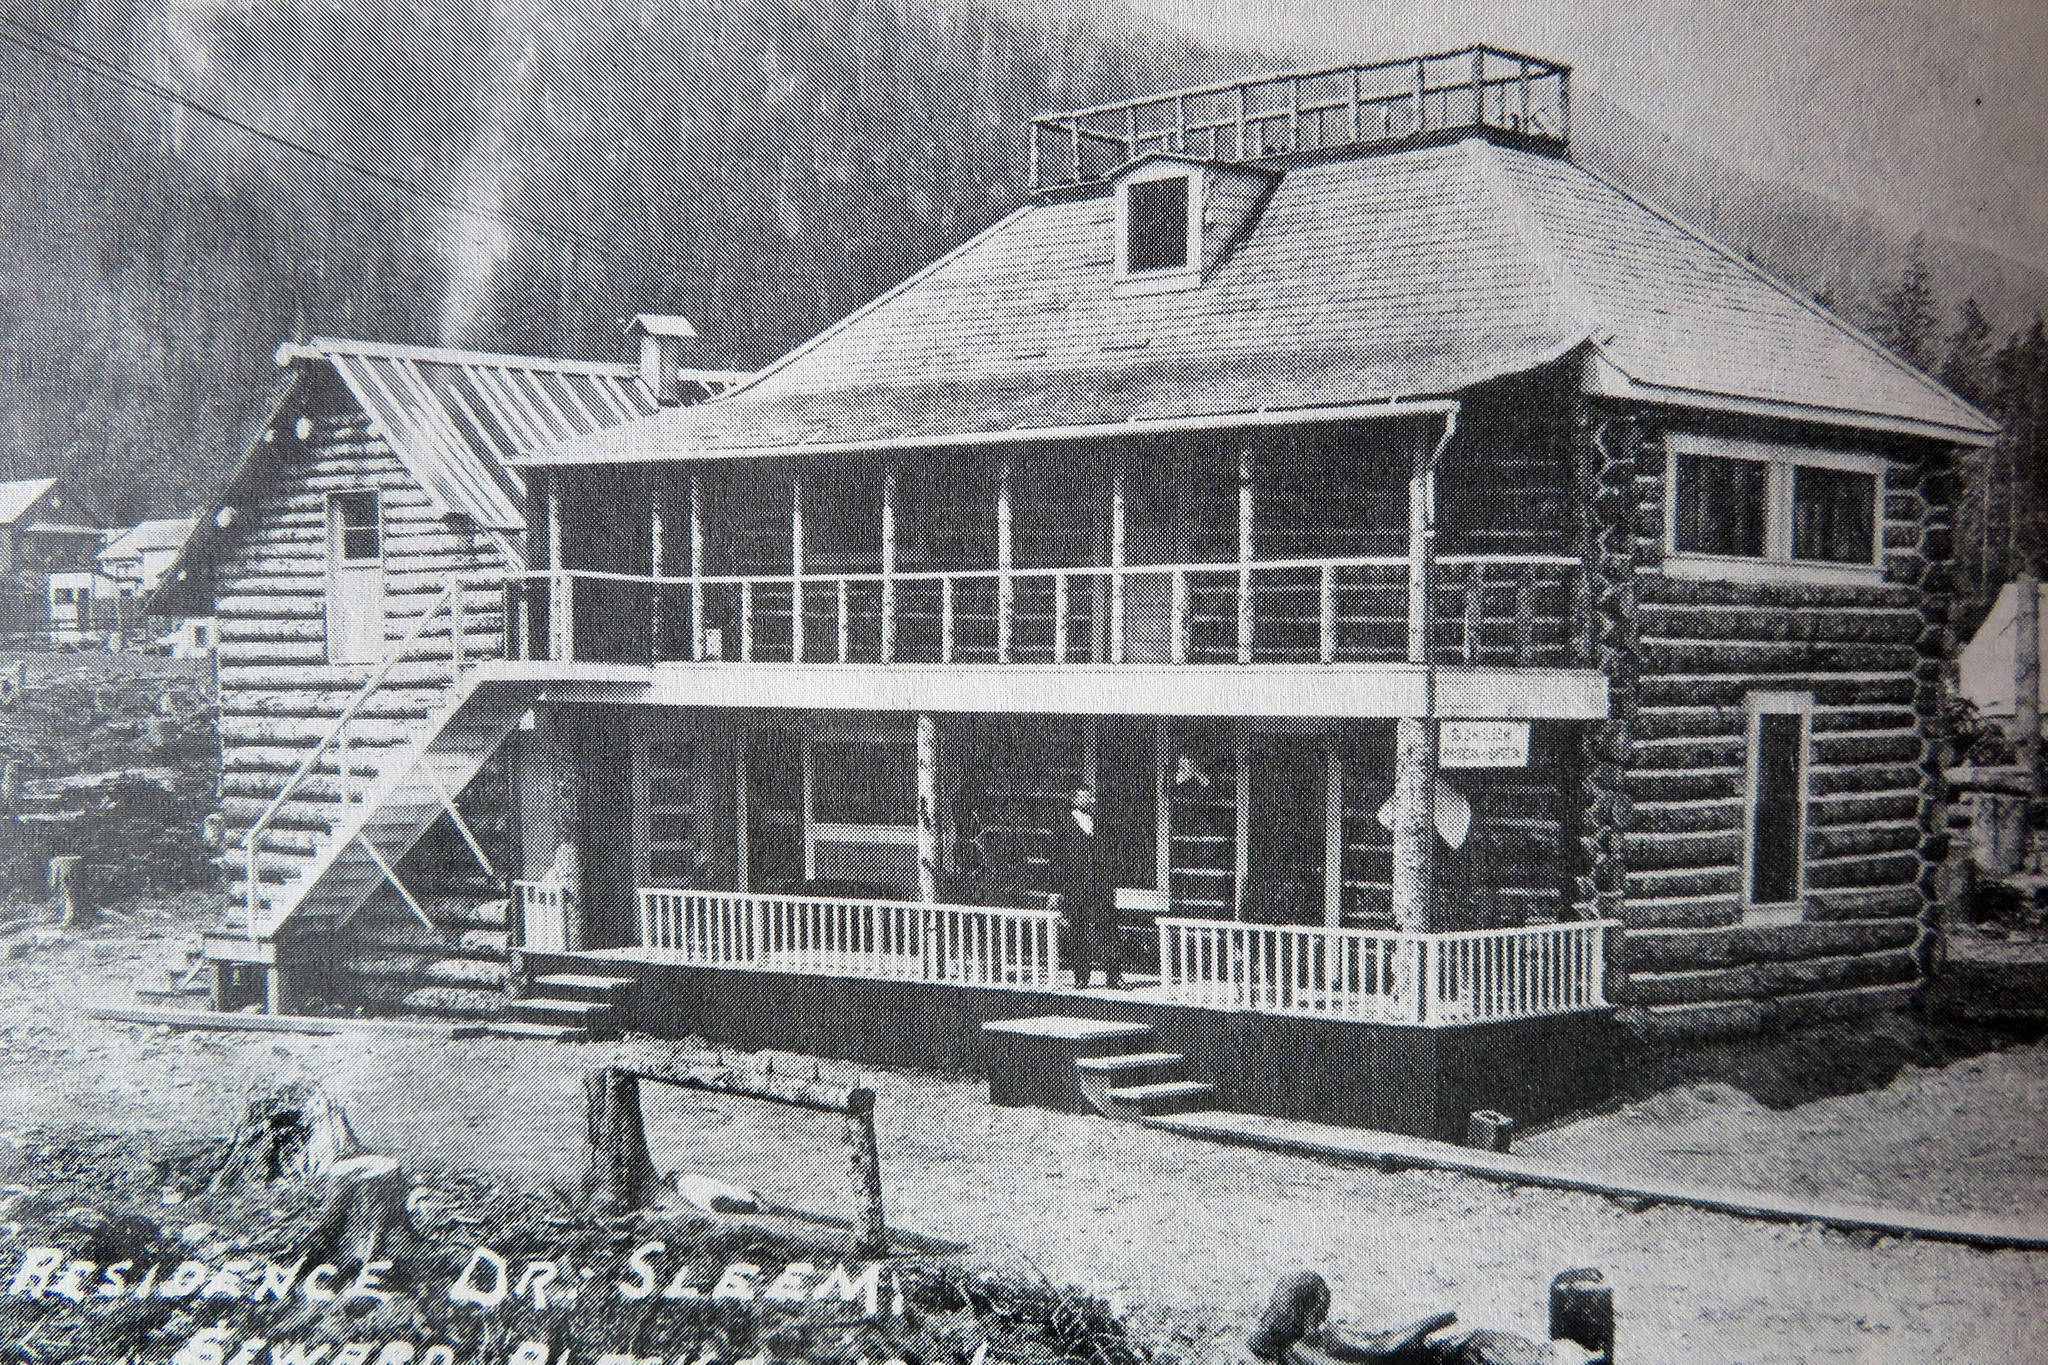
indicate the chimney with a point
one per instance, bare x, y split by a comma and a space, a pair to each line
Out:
665, 343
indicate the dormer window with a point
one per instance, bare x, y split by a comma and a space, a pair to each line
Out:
1158, 226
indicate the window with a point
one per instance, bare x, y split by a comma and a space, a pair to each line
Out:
355, 531
1721, 506
1834, 515
1774, 873
1755, 509
1156, 213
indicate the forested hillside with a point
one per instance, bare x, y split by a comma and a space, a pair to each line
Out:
759, 166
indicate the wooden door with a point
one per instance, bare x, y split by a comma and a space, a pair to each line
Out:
355, 577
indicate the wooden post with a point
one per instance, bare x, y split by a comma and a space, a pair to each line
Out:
1414, 832
890, 491
796, 568
742, 764
1244, 553
1006, 553
1333, 834
866, 1158
1241, 866
657, 536
1162, 805
561, 629
67, 880
927, 808
698, 640
10, 784
1116, 559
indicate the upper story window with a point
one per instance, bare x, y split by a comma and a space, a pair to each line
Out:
355, 531
1753, 509
1157, 221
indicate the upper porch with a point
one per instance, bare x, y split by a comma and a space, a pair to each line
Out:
1390, 549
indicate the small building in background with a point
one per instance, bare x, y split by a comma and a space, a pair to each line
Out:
43, 538
131, 562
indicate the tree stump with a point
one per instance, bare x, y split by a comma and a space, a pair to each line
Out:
362, 1217
67, 880
622, 1175
294, 1133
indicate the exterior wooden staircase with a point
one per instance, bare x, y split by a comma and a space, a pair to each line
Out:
1108, 1067
299, 887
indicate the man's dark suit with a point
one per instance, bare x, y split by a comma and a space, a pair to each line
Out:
1082, 876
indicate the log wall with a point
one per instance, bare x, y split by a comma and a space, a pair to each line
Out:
1666, 805
279, 694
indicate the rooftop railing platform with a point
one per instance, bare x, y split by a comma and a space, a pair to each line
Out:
1304, 115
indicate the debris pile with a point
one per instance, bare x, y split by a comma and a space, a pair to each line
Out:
118, 768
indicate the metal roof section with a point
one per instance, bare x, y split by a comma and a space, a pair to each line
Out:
1403, 274
457, 418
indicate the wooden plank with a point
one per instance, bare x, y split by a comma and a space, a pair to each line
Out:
1395, 1151
318, 1024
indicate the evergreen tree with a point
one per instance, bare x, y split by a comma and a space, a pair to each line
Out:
1905, 314
1966, 360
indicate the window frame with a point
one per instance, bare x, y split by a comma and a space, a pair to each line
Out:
1782, 463
1188, 273
1757, 705
338, 528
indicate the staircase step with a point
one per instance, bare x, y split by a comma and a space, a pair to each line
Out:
604, 990
517, 1028
598, 1020
1165, 1097
1120, 1063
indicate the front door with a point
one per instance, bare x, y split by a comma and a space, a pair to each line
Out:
355, 577
775, 809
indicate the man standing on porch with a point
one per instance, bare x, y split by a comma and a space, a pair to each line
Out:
1081, 892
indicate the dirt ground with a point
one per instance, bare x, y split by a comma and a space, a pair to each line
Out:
1192, 1235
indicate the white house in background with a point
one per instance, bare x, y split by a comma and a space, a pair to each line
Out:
1986, 666
132, 561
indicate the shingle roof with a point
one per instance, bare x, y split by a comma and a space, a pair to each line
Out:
1404, 275
165, 533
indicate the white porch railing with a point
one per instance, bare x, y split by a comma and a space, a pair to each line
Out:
543, 915
1425, 979
1513, 610
889, 940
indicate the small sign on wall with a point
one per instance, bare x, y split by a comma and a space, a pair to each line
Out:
1483, 744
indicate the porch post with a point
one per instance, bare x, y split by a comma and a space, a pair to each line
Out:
1244, 554
1333, 834
741, 828
561, 628
657, 529
888, 604
1116, 558
1241, 869
1162, 805
1006, 588
927, 808
1414, 870
807, 801
697, 638
796, 568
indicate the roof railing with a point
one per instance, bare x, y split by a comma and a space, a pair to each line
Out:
1307, 113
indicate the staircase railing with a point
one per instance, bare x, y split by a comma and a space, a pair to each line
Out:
450, 602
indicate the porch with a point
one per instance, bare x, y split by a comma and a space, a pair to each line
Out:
1403, 1032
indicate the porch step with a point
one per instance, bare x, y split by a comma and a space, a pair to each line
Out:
1163, 1097
553, 1033
1129, 1066
598, 1021
603, 990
